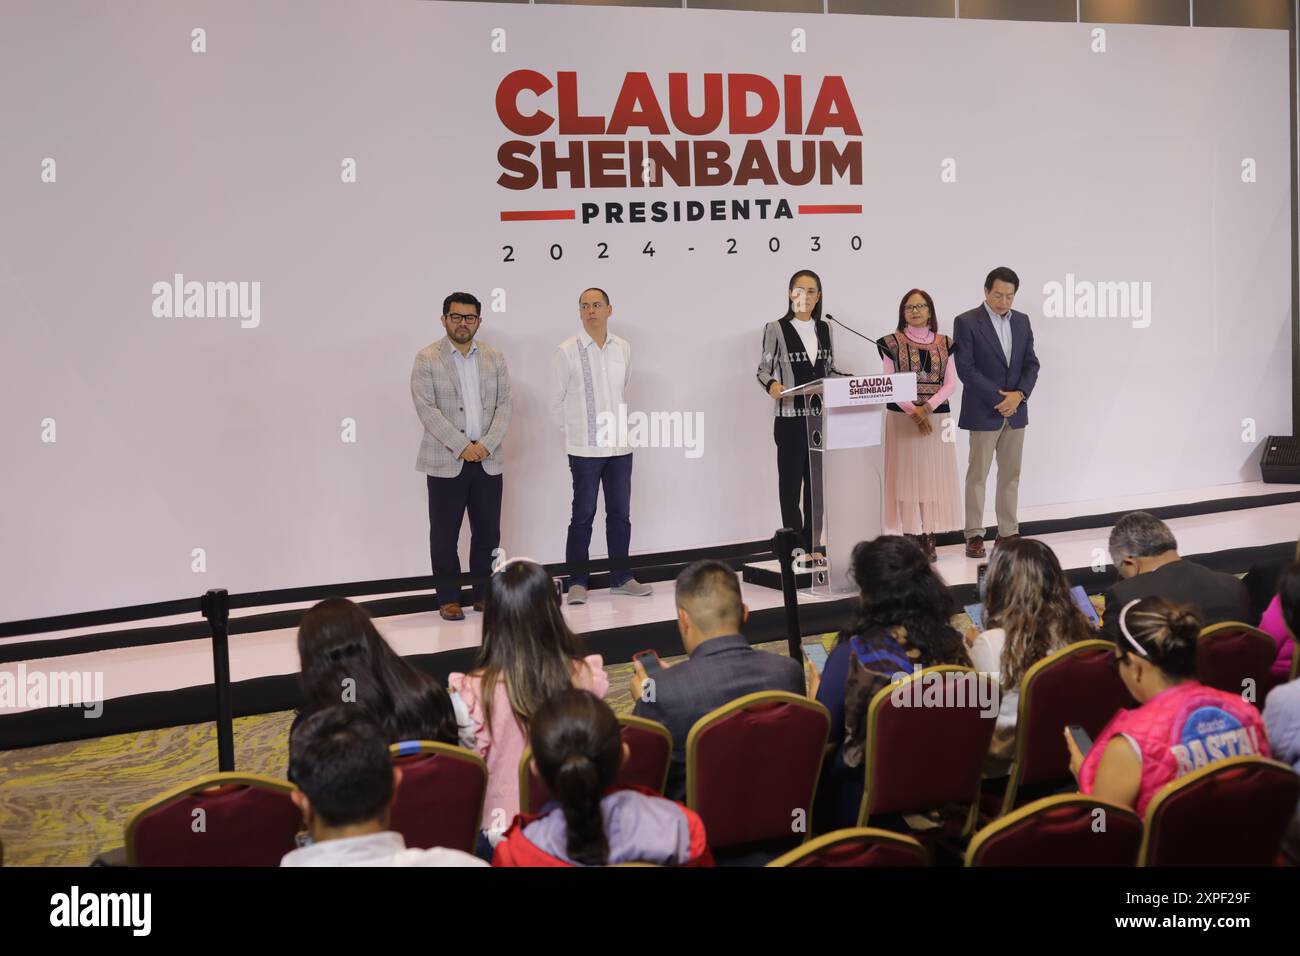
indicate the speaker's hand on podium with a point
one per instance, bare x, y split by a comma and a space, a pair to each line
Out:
775, 389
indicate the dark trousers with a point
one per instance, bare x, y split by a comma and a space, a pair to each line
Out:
589, 475
479, 493
794, 477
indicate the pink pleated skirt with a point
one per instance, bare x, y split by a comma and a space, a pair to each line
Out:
921, 491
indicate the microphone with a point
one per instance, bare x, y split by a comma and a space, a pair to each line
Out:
831, 318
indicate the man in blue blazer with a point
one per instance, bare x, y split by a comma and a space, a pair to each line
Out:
998, 368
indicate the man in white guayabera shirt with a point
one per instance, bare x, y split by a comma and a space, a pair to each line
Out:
589, 378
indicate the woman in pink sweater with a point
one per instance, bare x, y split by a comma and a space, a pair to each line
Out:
528, 654
921, 495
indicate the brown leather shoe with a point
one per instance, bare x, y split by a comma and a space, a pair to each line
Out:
451, 612
975, 548
478, 606
1002, 539
927, 545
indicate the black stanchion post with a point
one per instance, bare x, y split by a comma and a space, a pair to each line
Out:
783, 544
215, 605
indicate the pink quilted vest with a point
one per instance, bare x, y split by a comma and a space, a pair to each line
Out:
1178, 731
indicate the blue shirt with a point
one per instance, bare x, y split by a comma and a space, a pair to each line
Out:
1002, 326
467, 371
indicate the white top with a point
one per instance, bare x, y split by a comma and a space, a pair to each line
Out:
808, 335
986, 655
587, 398
467, 371
376, 849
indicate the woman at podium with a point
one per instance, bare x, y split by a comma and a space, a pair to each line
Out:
796, 350
921, 493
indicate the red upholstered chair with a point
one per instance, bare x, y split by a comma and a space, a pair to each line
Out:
752, 763
247, 820
650, 750
1230, 654
923, 758
1231, 812
1065, 830
440, 800
857, 847
1075, 685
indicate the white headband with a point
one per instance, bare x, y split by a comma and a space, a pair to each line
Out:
1124, 628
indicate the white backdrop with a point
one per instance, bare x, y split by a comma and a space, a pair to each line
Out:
176, 434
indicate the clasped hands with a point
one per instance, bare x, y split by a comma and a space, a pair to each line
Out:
474, 451
1010, 402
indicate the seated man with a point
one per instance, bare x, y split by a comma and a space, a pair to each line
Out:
347, 783
722, 666
1146, 557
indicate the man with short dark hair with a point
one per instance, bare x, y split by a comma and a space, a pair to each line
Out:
1145, 554
722, 665
346, 786
998, 370
461, 390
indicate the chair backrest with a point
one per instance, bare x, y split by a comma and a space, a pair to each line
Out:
857, 847
1068, 830
1233, 656
752, 764
650, 751
1232, 812
920, 757
1075, 685
222, 819
440, 799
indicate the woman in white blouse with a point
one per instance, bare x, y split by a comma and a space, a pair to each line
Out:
1028, 614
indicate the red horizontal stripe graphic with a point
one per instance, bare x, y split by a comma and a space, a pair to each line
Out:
821, 210
525, 215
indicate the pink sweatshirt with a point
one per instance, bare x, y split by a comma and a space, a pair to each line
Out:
504, 745
925, 337
1274, 625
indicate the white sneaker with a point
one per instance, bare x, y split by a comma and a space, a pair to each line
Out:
632, 587
577, 594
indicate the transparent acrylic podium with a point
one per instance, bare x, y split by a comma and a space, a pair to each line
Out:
846, 418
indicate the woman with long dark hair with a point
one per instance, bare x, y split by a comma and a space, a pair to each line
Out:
578, 750
527, 656
921, 494
901, 624
343, 660
797, 349
1028, 614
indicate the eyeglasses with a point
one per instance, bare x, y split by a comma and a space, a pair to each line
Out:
456, 317
588, 306
916, 308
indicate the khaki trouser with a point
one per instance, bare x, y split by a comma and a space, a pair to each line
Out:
1006, 443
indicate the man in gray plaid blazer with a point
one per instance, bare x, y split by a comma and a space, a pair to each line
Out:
461, 390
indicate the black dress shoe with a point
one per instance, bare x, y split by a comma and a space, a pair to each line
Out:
927, 545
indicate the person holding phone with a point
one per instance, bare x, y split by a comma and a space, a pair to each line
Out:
722, 664
1028, 614
1180, 724
528, 654
921, 495
578, 749
797, 349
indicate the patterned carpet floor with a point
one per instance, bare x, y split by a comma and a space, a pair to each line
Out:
62, 804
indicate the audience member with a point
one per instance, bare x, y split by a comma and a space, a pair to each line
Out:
527, 655
346, 785
902, 624
1282, 706
1028, 614
1180, 726
1145, 555
722, 665
578, 749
